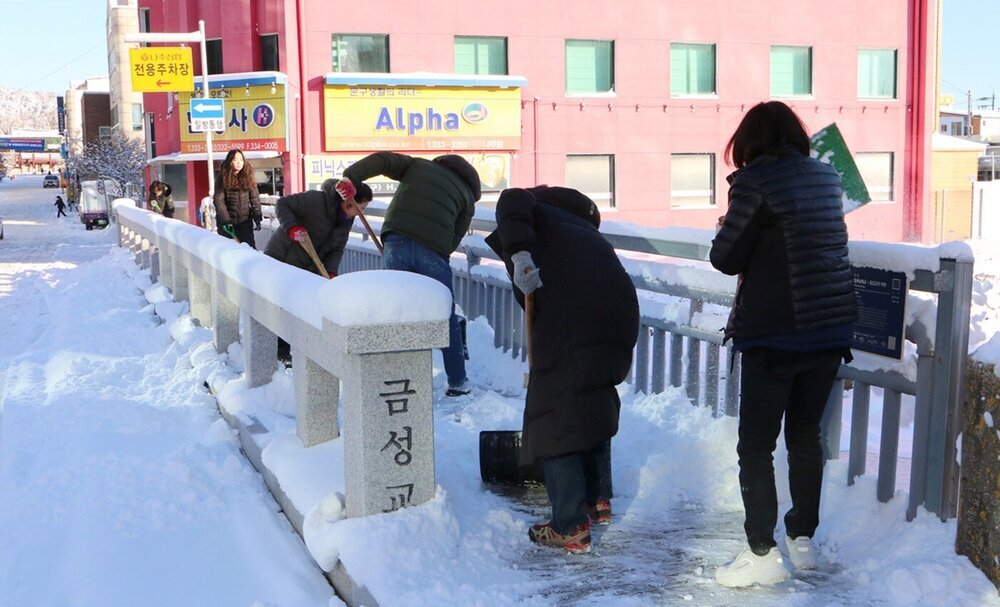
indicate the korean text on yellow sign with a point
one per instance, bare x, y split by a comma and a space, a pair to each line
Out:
254, 120
407, 117
161, 69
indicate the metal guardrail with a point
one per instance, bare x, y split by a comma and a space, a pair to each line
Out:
681, 354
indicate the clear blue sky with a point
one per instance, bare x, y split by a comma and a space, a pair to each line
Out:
968, 43
49, 42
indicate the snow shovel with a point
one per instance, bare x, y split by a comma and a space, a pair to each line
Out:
361, 216
529, 326
231, 232
307, 244
500, 460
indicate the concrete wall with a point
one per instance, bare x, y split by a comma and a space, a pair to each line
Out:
979, 503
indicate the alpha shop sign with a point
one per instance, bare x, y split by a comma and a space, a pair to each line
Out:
409, 117
253, 120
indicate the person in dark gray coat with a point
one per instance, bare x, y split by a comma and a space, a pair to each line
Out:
325, 217
784, 235
585, 326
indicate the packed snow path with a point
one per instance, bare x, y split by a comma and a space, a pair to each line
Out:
120, 484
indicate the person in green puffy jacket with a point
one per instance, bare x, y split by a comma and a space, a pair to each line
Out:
428, 216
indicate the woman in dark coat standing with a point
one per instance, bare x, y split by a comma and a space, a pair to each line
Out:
237, 203
585, 326
784, 235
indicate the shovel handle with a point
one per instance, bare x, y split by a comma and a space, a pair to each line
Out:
361, 216
307, 244
529, 322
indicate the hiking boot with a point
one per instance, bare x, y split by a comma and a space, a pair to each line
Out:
749, 568
600, 513
461, 389
575, 542
800, 552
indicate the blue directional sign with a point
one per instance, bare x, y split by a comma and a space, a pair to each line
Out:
207, 115
207, 108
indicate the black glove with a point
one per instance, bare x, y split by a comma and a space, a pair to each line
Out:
256, 224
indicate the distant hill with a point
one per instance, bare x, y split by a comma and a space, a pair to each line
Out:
26, 110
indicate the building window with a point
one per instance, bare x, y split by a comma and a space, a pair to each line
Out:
876, 73
361, 53
692, 69
480, 55
150, 122
144, 22
590, 66
594, 175
136, 116
791, 71
104, 133
876, 169
114, 116
213, 50
269, 53
692, 180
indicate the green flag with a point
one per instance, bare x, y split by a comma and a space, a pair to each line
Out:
828, 145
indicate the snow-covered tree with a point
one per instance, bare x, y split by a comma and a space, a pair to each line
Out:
118, 158
3, 167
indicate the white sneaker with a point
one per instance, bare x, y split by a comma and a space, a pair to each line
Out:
800, 552
749, 569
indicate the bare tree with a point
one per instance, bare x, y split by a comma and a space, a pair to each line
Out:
118, 158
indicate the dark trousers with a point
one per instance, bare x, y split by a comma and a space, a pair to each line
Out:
60, 212
793, 385
576, 481
401, 253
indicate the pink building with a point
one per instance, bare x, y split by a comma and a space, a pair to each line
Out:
631, 102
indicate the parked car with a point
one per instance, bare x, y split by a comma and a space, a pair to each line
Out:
50, 181
94, 203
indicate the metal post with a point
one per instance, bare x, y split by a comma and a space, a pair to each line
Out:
204, 94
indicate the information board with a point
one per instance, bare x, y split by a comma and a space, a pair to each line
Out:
881, 296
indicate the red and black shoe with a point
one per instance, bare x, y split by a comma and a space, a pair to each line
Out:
575, 542
600, 513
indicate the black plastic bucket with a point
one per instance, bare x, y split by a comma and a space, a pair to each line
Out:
499, 459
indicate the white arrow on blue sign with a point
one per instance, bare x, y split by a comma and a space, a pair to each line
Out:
207, 108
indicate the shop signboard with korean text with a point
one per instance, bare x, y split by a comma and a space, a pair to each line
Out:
493, 169
161, 69
419, 117
881, 296
253, 119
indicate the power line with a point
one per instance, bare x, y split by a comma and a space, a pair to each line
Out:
83, 54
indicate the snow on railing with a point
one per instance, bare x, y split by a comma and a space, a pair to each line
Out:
684, 304
362, 330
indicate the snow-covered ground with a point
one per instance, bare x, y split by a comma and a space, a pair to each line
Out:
120, 484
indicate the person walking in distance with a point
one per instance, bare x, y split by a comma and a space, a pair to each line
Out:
60, 207
585, 327
237, 202
427, 217
784, 235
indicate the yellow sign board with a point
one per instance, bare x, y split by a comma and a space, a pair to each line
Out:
254, 120
161, 69
493, 169
427, 118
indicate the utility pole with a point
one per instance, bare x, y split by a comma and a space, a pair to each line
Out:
968, 95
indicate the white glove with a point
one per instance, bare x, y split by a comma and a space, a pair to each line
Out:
526, 275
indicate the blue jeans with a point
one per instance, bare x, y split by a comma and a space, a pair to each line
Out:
576, 481
401, 253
